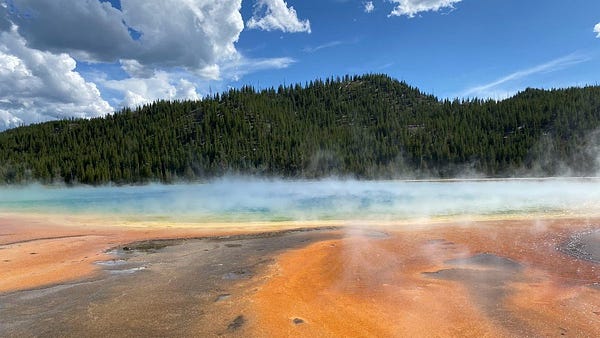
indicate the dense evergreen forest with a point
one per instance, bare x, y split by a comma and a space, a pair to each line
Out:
369, 126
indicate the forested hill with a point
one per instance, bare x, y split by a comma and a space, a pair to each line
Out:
367, 126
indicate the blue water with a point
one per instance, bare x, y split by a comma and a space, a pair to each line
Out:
239, 199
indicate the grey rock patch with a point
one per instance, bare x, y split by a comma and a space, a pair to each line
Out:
237, 323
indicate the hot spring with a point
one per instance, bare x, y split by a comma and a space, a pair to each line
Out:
472, 258
245, 199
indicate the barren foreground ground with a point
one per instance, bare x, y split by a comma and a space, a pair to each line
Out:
73, 277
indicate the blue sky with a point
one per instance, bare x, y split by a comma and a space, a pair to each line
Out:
85, 58
447, 52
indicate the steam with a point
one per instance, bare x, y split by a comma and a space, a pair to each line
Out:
252, 199
548, 157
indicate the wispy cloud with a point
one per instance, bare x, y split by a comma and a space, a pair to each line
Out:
369, 7
551, 66
331, 44
597, 30
236, 70
323, 46
384, 66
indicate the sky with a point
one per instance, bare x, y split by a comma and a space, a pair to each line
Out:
88, 58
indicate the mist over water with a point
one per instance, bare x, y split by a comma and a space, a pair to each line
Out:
250, 199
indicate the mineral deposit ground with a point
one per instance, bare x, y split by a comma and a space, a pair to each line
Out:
476, 278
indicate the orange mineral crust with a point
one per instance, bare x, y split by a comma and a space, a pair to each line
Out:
478, 279
467, 278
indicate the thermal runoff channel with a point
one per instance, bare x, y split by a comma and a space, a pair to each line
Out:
249, 199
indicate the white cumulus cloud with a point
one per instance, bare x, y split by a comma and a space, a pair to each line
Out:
37, 86
272, 15
135, 69
597, 30
167, 49
160, 86
156, 33
369, 7
410, 8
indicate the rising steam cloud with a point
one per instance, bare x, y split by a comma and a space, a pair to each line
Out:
243, 199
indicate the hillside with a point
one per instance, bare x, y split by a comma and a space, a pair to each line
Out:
368, 126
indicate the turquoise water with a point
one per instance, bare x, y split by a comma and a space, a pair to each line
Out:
239, 199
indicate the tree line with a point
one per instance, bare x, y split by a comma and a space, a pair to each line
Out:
367, 127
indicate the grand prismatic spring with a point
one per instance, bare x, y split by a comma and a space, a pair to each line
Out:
250, 257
